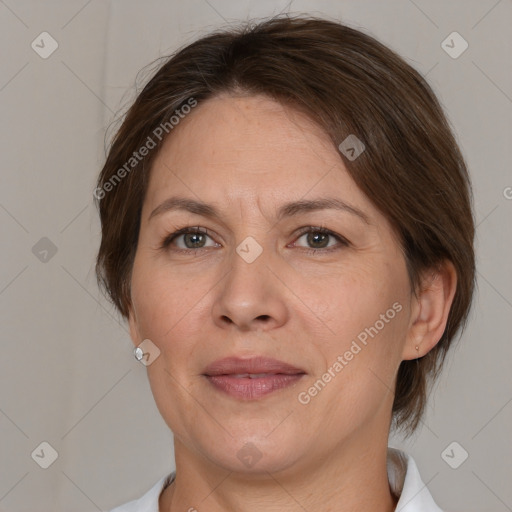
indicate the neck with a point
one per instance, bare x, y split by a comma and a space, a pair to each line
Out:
352, 478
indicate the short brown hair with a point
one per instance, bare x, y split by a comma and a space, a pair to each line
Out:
348, 82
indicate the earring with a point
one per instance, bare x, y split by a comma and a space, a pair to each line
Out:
138, 353
418, 351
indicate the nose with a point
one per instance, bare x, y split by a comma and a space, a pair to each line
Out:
251, 296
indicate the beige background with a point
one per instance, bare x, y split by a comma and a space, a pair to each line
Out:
67, 373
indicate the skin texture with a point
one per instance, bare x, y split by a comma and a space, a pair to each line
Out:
248, 155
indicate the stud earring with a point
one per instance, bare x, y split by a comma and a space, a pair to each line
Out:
138, 353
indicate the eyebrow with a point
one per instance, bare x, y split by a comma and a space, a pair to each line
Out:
287, 210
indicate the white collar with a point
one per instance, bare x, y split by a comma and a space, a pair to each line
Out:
405, 482
403, 475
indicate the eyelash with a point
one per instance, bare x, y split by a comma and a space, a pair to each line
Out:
166, 242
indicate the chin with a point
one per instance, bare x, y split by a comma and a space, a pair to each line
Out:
253, 453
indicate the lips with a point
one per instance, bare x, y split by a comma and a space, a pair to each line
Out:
252, 367
253, 378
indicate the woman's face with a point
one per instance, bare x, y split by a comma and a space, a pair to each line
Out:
261, 281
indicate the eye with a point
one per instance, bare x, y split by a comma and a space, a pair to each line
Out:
188, 239
319, 240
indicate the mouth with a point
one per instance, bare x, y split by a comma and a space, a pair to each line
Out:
251, 378
251, 375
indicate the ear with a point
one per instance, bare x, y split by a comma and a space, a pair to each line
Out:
431, 306
133, 325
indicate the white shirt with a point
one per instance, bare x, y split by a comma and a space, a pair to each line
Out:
403, 476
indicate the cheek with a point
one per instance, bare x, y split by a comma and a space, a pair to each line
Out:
364, 367
168, 308
167, 302
369, 319
358, 296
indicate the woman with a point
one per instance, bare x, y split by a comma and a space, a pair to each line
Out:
287, 228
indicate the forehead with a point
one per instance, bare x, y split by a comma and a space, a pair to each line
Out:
230, 150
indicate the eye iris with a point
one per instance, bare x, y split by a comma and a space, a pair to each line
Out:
194, 238
314, 236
